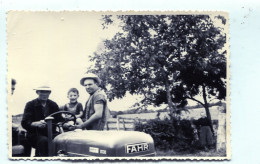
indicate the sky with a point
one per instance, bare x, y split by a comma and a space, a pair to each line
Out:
52, 49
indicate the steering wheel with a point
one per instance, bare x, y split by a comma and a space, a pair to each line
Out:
60, 124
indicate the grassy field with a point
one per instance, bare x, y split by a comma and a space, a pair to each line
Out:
209, 153
191, 113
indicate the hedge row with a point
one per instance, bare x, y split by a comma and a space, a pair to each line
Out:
177, 135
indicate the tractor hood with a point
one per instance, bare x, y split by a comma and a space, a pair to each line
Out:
104, 143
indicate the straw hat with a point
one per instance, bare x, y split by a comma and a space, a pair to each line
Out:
90, 76
43, 88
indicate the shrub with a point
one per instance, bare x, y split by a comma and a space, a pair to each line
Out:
169, 134
162, 132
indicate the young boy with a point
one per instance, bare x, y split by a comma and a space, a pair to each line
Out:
73, 106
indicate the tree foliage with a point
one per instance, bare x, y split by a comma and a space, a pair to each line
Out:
166, 58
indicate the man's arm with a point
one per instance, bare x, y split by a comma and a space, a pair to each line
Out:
97, 115
27, 117
27, 121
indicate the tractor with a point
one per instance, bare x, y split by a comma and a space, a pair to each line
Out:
94, 143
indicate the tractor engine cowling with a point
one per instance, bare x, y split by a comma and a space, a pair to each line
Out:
104, 144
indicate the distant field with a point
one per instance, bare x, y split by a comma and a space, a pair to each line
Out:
17, 119
192, 113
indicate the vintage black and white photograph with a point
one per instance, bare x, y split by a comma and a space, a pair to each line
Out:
118, 85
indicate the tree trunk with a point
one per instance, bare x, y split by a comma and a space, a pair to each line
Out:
169, 99
206, 106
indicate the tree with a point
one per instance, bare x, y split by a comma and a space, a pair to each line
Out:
167, 58
202, 68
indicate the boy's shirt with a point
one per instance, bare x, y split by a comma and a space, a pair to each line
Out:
74, 108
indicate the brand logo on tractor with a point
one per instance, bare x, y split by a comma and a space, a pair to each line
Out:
93, 149
134, 148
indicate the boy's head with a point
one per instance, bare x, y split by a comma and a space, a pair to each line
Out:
73, 95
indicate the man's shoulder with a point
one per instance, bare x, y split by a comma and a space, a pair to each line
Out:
32, 102
99, 93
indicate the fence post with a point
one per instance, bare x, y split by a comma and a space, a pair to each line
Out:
117, 123
107, 125
221, 132
123, 123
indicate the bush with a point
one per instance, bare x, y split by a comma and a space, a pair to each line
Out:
169, 134
162, 132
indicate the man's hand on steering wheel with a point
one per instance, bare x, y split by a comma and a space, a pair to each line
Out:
78, 126
65, 123
39, 124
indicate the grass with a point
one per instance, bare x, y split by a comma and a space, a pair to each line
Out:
199, 153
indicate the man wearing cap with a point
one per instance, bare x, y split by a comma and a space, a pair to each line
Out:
33, 119
96, 111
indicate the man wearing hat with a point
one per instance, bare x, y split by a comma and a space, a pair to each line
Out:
33, 119
96, 110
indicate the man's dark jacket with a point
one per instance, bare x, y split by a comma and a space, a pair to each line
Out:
34, 111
